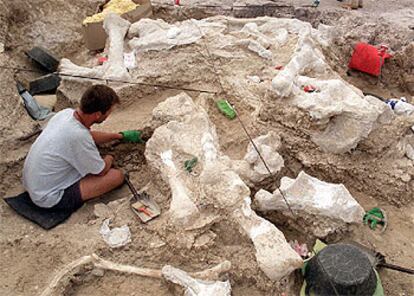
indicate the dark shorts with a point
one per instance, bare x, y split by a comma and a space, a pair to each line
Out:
71, 199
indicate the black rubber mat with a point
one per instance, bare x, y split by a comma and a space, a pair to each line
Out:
44, 58
45, 218
45, 84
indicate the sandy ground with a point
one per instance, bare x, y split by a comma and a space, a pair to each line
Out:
30, 256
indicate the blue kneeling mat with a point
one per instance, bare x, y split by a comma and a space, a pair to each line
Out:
45, 218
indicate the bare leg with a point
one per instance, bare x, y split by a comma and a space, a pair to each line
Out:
93, 186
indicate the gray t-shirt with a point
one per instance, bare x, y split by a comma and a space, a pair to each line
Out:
64, 153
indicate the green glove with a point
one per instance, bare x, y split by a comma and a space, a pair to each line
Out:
190, 164
132, 136
373, 217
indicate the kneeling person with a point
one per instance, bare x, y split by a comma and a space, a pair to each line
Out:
64, 168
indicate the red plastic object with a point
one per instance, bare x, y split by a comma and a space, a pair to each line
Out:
369, 59
102, 60
145, 211
279, 67
177, 2
309, 88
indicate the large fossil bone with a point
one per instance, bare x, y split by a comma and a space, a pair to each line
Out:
307, 57
251, 168
274, 255
217, 184
114, 69
159, 35
195, 287
325, 207
62, 276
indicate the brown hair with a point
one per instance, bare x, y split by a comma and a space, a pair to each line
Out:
97, 98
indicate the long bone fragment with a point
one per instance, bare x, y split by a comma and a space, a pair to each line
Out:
274, 255
116, 28
195, 287
212, 273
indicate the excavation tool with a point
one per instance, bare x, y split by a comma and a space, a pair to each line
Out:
378, 260
142, 204
35, 111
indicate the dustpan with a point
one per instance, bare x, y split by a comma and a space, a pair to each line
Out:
142, 204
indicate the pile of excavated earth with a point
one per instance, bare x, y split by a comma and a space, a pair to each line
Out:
325, 157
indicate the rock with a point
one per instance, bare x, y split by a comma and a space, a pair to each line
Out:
255, 79
222, 186
205, 221
102, 211
156, 243
184, 240
117, 236
4, 24
409, 82
205, 240
98, 272
282, 36
406, 178
324, 206
409, 152
252, 169
386, 115
115, 204
406, 146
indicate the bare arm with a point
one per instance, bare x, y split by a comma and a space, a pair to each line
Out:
103, 137
108, 159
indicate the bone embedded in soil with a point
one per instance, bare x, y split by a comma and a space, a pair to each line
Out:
225, 227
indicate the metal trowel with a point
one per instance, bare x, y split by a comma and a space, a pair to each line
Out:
142, 204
